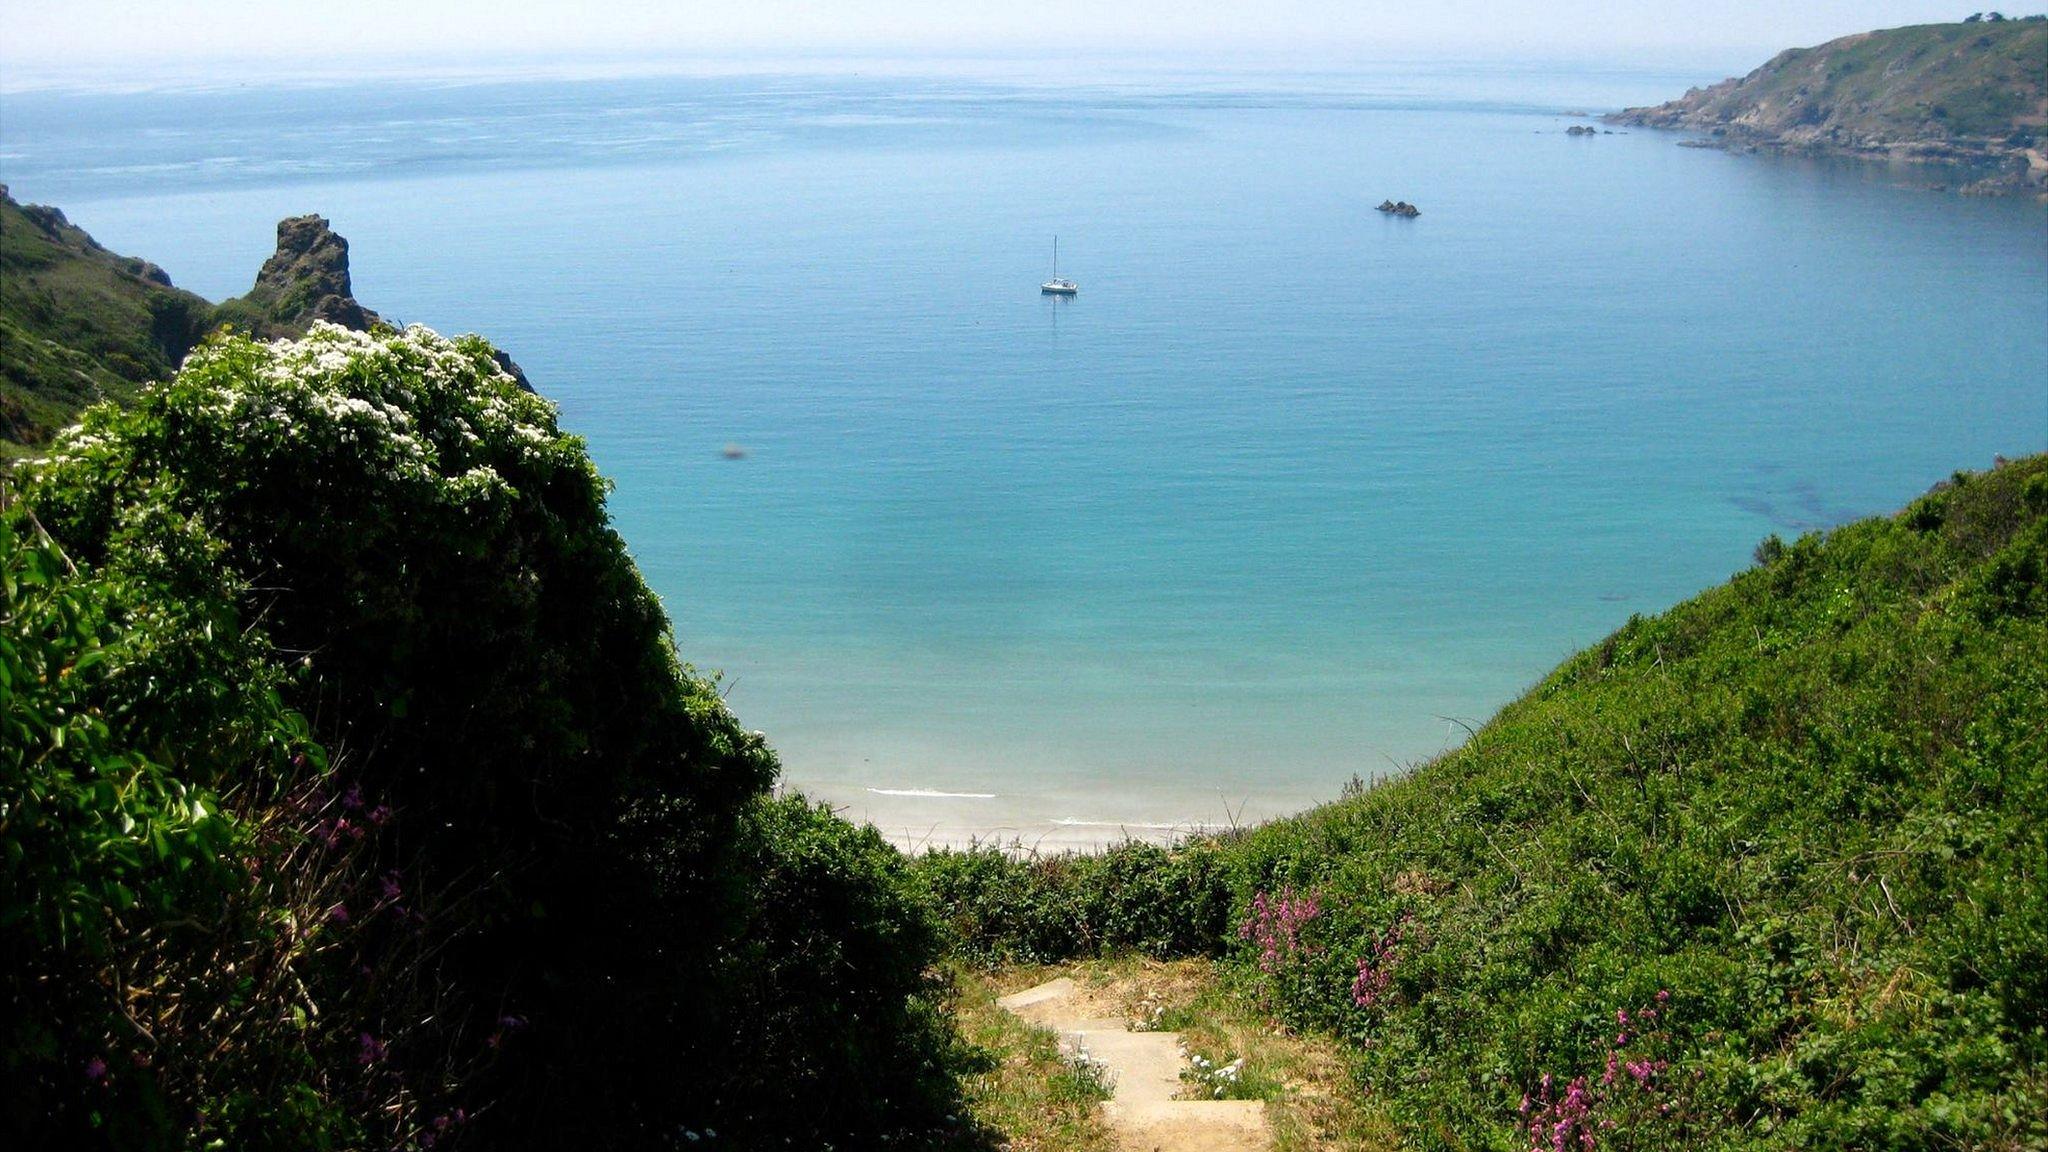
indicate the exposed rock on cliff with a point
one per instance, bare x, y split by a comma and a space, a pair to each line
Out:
305, 280
80, 324
1971, 95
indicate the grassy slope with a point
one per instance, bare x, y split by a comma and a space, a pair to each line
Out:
1812, 803
1981, 88
78, 324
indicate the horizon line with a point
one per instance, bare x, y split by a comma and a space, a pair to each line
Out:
276, 71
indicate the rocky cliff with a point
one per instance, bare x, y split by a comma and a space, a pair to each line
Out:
305, 280
1971, 97
79, 324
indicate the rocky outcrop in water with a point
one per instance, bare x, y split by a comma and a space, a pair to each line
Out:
1398, 208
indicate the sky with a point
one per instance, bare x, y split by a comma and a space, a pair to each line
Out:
195, 36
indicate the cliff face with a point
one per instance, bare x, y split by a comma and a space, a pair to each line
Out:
79, 324
305, 280
1972, 94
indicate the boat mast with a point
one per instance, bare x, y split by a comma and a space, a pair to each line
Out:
1055, 256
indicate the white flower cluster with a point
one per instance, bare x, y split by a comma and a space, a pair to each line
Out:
414, 404
1149, 1014
1215, 1079
1091, 1070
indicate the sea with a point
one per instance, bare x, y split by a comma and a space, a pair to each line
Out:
1292, 493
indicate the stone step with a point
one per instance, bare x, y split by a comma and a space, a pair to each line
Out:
1143, 1066
1143, 1070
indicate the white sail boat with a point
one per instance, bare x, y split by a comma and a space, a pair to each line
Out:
1057, 286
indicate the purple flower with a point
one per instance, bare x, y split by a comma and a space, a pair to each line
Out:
369, 1050
338, 913
1275, 924
1376, 970
96, 1070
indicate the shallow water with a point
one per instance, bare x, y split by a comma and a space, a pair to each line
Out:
1290, 492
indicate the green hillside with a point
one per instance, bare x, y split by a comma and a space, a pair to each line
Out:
79, 323
1802, 819
1974, 93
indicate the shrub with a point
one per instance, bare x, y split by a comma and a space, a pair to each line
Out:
832, 1023
422, 563
180, 965
1134, 896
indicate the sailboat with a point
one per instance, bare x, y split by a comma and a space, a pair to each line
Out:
1057, 286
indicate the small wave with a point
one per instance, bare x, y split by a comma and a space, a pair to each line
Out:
933, 794
1067, 822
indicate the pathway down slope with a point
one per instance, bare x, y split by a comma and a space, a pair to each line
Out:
1144, 1072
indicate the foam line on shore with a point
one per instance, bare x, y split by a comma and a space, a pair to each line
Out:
932, 794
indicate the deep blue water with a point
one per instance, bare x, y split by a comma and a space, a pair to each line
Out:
1286, 493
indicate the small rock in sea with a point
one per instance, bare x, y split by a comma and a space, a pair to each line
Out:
1399, 208
1582, 130
733, 452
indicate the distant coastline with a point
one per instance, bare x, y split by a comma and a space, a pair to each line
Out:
1966, 104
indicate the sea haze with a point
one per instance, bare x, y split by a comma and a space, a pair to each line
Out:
1291, 491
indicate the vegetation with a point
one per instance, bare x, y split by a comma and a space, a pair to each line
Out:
1975, 92
1020, 1085
1136, 897
1769, 869
79, 324
354, 794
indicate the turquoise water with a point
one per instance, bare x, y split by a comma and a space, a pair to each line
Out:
1290, 492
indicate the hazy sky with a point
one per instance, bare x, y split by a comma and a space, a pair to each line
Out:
177, 34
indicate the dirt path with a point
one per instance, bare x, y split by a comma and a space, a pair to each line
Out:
1144, 1073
